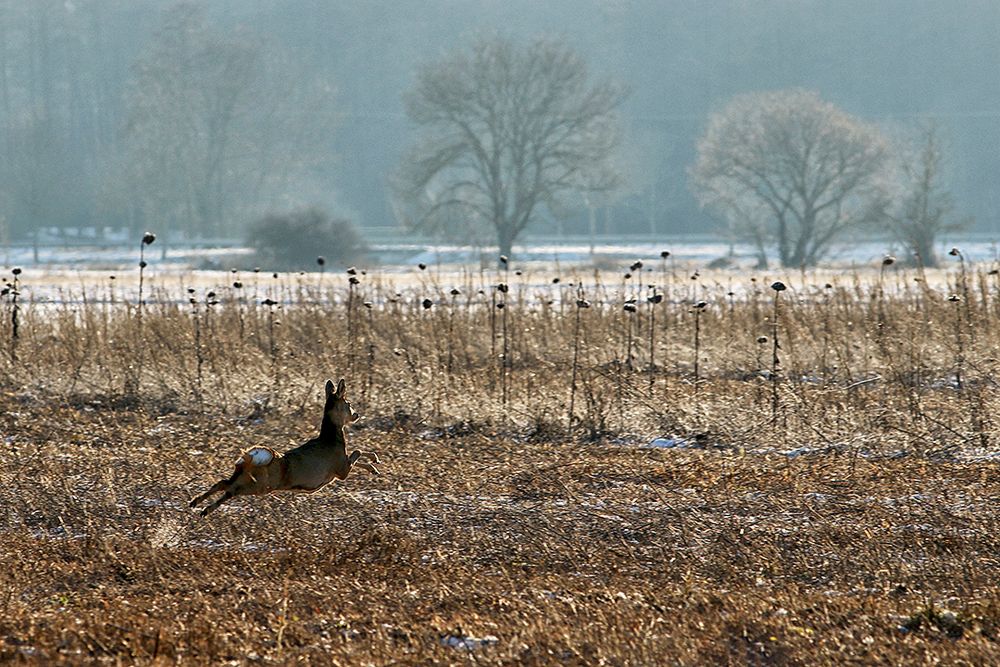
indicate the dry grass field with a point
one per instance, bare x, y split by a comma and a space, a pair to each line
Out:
562, 483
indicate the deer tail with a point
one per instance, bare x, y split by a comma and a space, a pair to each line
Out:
252, 459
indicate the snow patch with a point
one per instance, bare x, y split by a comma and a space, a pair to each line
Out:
669, 443
468, 642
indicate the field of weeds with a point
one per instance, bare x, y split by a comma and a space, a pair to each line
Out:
661, 467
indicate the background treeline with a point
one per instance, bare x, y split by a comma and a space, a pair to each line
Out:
202, 117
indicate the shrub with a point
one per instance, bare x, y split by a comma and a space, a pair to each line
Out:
293, 241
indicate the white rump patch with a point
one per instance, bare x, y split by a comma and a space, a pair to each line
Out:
260, 456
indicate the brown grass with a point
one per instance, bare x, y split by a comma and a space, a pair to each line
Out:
857, 525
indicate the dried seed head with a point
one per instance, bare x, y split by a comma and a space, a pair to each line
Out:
353, 280
655, 298
367, 304
210, 295
111, 277
664, 254
701, 305
16, 270
954, 297
351, 271
256, 269
954, 252
888, 260
636, 265
778, 286
582, 303
993, 272
237, 284
628, 276
421, 266
426, 303
148, 238
502, 287
269, 302
274, 275
518, 272
555, 281
321, 260
190, 290
232, 270
454, 291
828, 286
503, 259
629, 307
500, 306
142, 264
761, 339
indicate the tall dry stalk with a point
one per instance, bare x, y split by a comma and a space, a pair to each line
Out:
778, 288
352, 283
449, 366
880, 323
653, 299
272, 345
629, 311
581, 304
135, 378
198, 354
698, 309
15, 323
504, 289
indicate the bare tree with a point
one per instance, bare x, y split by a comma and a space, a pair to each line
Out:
217, 127
926, 207
506, 129
785, 169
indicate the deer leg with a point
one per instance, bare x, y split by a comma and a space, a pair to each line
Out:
348, 464
225, 496
218, 486
371, 456
369, 467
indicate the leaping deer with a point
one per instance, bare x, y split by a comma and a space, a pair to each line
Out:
310, 466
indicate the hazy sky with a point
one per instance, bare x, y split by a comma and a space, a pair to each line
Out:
888, 61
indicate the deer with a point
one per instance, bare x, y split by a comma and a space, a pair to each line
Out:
309, 467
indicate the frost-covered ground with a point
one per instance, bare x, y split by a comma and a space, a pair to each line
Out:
396, 256
107, 275
486, 550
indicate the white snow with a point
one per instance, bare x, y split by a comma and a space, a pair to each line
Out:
468, 642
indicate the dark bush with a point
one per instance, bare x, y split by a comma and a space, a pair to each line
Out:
293, 241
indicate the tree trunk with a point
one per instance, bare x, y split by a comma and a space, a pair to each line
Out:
923, 246
505, 242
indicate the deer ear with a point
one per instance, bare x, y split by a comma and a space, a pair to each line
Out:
340, 388
329, 388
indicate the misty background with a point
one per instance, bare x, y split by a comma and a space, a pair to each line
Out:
200, 118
